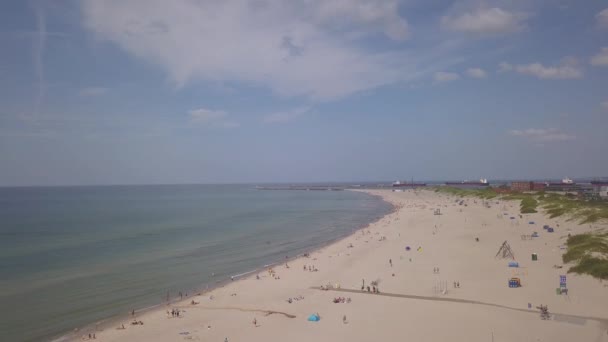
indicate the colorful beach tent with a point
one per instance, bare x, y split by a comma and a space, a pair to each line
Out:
314, 318
513, 264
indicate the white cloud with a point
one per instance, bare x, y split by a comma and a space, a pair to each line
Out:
542, 135
567, 69
476, 73
281, 117
442, 76
93, 91
601, 59
212, 118
485, 21
602, 18
205, 116
504, 66
295, 48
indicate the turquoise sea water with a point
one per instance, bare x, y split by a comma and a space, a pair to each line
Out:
72, 256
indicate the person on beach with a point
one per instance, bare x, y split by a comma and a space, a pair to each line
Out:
344, 319
390, 261
255, 322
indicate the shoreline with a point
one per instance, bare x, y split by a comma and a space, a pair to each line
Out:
411, 289
200, 291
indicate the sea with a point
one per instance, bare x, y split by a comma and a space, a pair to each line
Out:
72, 257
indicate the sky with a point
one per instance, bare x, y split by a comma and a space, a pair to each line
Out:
253, 91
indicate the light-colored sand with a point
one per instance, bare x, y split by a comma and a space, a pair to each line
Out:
448, 242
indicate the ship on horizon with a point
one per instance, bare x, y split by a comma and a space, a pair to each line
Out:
400, 184
481, 182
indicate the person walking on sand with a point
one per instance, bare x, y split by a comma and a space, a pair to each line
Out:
390, 261
344, 319
255, 322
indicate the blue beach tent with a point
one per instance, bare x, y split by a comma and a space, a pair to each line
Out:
314, 318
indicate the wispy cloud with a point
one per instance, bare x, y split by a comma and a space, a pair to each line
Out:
602, 19
205, 116
442, 76
209, 117
476, 73
601, 59
567, 69
93, 91
286, 116
542, 135
484, 21
314, 48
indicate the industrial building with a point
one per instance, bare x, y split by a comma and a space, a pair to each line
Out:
521, 186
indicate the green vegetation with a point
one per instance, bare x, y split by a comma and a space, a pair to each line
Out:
590, 253
554, 205
528, 205
484, 193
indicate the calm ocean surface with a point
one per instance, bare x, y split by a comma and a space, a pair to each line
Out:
72, 256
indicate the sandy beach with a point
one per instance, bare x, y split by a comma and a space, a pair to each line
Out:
448, 286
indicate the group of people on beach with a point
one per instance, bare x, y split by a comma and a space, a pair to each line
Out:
290, 300
342, 300
310, 268
273, 274
174, 313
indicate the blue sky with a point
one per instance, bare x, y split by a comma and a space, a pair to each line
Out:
183, 91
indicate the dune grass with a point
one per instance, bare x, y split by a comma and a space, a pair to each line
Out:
554, 205
589, 252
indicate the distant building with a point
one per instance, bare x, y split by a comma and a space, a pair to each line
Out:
562, 187
600, 189
538, 186
521, 186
